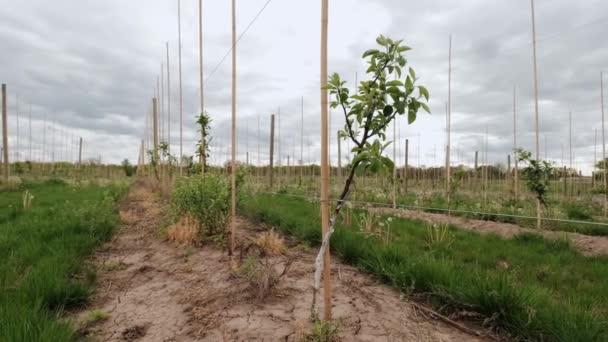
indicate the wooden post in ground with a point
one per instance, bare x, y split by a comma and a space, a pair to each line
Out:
515, 171
405, 172
5, 135
233, 163
271, 165
605, 183
179, 49
538, 204
339, 156
448, 178
168, 102
155, 128
80, 153
508, 175
325, 164
200, 61
301, 139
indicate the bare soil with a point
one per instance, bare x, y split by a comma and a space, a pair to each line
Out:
588, 245
155, 290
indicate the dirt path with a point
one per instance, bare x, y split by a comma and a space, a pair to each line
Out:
153, 290
588, 245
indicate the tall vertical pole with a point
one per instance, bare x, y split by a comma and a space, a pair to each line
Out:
168, 101
258, 163
18, 149
538, 204
5, 135
233, 164
80, 153
155, 127
515, 171
202, 89
325, 163
569, 145
179, 35
407, 149
30, 133
271, 161
339, 156
449, 123
605, 183
162, 102
44, 140
301, 138
394, 195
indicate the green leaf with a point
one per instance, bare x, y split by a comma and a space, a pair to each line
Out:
412, 74
425, 107
381, 40
388, 110
370, 52
395, 83
404, 48
424, 92
411, 117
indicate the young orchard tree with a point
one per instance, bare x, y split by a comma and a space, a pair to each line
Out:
202, 151
536, 174
389, 91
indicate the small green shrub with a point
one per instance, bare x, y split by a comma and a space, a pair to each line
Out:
206, 198
577, 211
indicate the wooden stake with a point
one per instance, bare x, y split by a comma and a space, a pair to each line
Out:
325, 163
271, 165
515, 171
155, 128
538, 204
339, 156
233, 166
179, 35
407, 148
200, 61
5, 135
301, 138
168, 101
30, 133
80, 153
605, 183
394, 159
449, 124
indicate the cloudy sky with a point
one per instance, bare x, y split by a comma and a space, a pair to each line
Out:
90, 68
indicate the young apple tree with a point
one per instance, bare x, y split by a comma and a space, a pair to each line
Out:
390, 90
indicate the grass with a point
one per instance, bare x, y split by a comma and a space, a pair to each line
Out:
42, 250
528, 287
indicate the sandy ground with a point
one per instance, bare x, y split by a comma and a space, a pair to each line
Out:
153, 290
588, 245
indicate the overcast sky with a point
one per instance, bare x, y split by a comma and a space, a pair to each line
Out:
90, 68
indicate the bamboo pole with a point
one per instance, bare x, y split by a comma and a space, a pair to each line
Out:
394, 195
271, 156
449, 124
568, 193
202, 88
515, 170
168, 100
339, 171
605, 183
5, 135
30, 133
179, 35
538, 204
301, 138
325, 163
155, 127
407, 148
162, 102
233, 164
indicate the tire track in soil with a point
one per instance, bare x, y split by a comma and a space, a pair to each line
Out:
156, 291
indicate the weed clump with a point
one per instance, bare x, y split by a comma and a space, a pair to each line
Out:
270, 242
206, 199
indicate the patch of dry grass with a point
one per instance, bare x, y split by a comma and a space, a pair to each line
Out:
184, 232
270, 242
